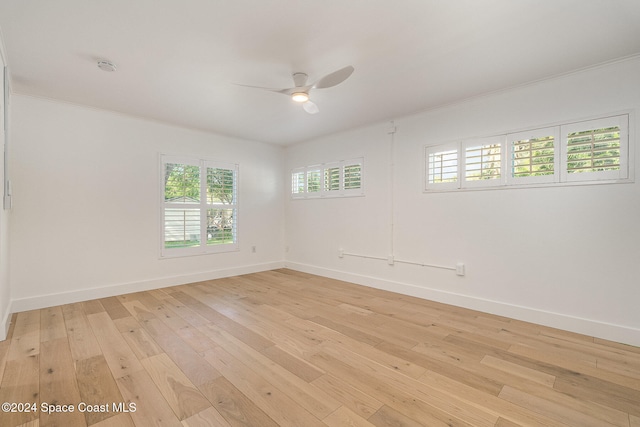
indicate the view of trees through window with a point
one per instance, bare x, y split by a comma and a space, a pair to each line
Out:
593, 150
186, 211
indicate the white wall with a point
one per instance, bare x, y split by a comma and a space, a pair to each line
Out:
85, 221
570, 270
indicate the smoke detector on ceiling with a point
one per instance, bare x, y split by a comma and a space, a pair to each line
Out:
105, 65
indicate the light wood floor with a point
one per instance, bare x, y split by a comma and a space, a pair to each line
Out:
290, 349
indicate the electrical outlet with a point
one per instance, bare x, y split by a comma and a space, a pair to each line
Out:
390, 260
460, 269
340, 253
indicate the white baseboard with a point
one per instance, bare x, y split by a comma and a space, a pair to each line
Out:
5, 323
50, 300
608, 331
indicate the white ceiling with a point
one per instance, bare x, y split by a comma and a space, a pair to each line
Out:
181, 61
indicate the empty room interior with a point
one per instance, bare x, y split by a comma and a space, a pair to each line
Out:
320, 213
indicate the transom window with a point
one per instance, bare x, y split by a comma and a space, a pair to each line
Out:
588, 151
336, 179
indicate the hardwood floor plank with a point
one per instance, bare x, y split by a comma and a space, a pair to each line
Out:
121, 360
396, 397
343, 416
353, 333
275, 403
97, 387
92, 307
243, 333
191, 363
52, 324
518, 370
306, 395
114, 308
21, 384
178, 391
58, 385
293, 364
4, 355
601, 392
139, 340
444, 402
149, 407
550, 409
210, 417
25, 341
236, 408
387, 416
566, 360
594, 410
489, 402
351, 397
82, 341
119, 420
441, 362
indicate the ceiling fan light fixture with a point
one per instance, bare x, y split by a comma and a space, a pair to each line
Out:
300, 97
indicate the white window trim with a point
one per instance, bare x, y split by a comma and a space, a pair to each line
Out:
624, 119
203, 206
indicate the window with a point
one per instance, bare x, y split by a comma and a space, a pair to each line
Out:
442, 167
313, 181
482, 162
588, 151
352, 176
297, 182
332, 178
199, 206
532, 156
596, 149
336, 179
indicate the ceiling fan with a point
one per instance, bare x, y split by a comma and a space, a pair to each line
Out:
300, 92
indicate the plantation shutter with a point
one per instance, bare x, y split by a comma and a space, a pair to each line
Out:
199, 206
533, 156
352, 176
596, 149
442, 167
482, 162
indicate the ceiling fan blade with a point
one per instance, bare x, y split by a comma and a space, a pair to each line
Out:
310, 107
288, 91
334, 78
270, 89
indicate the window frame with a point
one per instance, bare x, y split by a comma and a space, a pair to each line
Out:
203, 206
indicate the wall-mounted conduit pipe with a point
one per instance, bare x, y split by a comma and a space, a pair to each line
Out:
421, 264
459, 268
